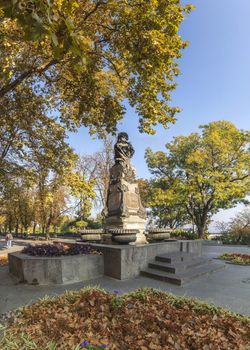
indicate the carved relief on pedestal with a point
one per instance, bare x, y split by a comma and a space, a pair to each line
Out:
132, 200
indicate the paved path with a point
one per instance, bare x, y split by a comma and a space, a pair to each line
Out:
17, 244
229, 287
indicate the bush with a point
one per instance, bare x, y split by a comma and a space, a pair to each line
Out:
72, 226
234, 238
69, 234
182, 234
94, 223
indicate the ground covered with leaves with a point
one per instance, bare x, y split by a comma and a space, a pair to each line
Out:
3, 260
241, 259
142, 320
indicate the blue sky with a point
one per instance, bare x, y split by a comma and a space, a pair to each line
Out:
214, 84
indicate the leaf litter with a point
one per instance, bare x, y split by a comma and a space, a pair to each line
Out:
146, 319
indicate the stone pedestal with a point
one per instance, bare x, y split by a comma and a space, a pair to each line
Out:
124, 209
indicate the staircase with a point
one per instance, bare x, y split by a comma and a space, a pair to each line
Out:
180, 267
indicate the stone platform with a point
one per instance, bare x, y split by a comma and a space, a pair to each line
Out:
126, 261
179, 267
118, 261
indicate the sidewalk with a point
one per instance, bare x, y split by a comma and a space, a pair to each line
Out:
229, 287
17, 245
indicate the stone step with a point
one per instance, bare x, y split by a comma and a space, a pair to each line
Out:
175, 257
182, 277
178, 266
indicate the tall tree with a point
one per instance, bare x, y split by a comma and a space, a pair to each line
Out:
206, 172
38, 173
83, 58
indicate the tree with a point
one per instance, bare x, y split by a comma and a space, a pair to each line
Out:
38, 176
82, 59
96, 167
240, 225
165, 211
237, 230
206, 172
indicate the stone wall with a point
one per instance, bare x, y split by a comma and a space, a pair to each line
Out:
55, 270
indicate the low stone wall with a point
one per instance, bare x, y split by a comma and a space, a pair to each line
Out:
55, 270
126, 261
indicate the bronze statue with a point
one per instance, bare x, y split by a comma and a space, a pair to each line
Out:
123, 148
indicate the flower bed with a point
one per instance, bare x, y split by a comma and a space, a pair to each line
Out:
58, 249
47, 264
240, 259
145, 319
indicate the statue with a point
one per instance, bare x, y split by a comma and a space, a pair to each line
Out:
123, 208
123, 148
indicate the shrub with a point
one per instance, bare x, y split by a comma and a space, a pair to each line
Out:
234, 238
182, 234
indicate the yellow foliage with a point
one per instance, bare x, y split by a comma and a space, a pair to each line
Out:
107, 51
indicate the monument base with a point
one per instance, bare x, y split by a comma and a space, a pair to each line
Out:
133, 222
126, 261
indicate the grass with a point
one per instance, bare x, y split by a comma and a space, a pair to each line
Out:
142, 320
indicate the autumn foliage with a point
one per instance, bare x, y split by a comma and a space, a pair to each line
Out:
82, 59
3, 260
200, 174
145, 319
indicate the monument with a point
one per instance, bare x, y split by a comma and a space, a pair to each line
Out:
124, 209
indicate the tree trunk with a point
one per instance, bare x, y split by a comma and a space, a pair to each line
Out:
9, 227
201, 231
238, 240
200, 222
17, 228
26, 228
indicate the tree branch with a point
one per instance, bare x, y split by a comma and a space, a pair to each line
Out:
98, 4
40, 69
240, 178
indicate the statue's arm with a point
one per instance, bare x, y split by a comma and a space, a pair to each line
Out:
132, 151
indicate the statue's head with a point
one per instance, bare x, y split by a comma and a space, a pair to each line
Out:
122, 136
